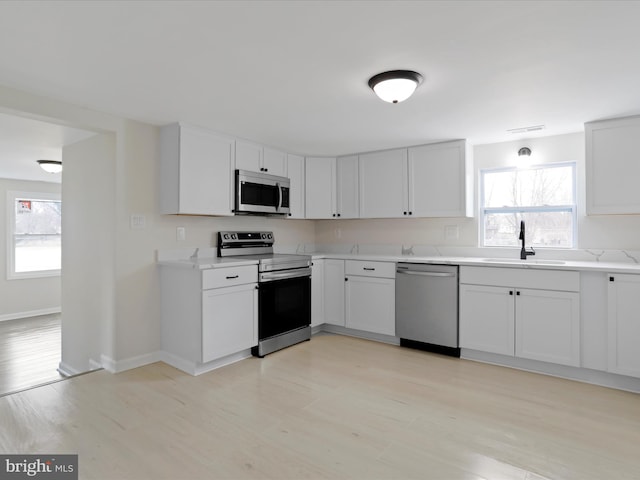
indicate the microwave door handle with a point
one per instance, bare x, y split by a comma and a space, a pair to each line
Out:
279, 197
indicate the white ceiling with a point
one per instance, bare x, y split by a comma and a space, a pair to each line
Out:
24, 141
294, 74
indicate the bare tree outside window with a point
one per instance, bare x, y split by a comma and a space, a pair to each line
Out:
37, 235
542, 196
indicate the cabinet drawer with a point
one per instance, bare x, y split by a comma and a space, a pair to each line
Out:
227, 277
370, 269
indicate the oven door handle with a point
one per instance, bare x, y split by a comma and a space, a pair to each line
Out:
272, 276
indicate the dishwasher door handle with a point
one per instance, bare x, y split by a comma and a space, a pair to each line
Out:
426, 274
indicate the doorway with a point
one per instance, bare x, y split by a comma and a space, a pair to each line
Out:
30, 282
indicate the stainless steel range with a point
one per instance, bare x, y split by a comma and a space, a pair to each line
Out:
284, 289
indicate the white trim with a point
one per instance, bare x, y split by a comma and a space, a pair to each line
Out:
594, 377
117, 366
67, 371
194, 368
12, 196
30, 313
571, 208
351, 332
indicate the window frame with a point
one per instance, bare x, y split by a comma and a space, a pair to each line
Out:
12, 196
570, 208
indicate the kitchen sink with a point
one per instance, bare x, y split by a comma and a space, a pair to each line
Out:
524, 262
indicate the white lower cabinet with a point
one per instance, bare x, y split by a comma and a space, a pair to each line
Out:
229, 321
208, 315
370, 304
548, 326
624, 324
515, 313
334, 292
487, 319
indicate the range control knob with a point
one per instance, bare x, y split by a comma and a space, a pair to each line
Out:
226, 236
234, 236
270, 236
264, 235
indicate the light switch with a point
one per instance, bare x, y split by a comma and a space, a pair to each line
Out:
137, 221
181, 234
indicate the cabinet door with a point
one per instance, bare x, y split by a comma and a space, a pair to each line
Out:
438, 180
317, 292
612, 169
487, 318
370, 304
196, 172
274, 162
384, 184
248, 156
320, 184
624, 324
229, 321
334, 292
295, 169
548, 326
347, 187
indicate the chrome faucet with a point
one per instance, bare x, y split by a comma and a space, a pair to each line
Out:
524, 253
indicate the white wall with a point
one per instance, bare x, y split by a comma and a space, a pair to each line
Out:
616, 232
88, 256
25, 296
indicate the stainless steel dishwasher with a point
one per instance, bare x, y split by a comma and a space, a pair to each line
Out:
427, 307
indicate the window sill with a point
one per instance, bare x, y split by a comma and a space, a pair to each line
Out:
33, 275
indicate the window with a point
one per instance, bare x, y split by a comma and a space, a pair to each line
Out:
35, 231
543, 196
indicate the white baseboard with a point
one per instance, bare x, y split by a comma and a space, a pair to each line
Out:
350, 332
595, 377
117, 366
67, 371
30, 313
193, 368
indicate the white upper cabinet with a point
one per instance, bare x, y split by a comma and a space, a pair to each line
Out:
384, 184
427, 181
613, 166
256, 158
320, 187
331, 187
347, 187
295, 169
274, 162
440, 180
196, 171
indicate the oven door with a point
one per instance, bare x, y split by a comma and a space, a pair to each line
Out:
284, 305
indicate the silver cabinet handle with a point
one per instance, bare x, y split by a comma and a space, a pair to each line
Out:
232, 277
369, 269
426, 274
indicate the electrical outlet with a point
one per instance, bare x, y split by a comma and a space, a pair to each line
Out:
181, 234
451, 232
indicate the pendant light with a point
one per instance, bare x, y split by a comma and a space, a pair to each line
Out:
396, 85
50, 166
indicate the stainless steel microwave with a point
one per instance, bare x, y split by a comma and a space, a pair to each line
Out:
261, 194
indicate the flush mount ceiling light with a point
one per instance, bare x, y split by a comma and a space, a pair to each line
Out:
524, 152
51, 166
395, 86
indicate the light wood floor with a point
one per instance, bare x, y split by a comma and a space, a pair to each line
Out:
29, 352
334, 407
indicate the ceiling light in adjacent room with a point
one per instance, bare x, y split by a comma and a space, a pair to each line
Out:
395, 86
51, 166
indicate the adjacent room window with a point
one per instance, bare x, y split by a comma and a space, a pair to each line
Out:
543, 196
35, 232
